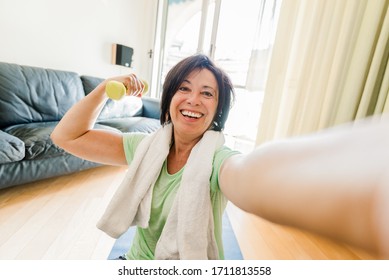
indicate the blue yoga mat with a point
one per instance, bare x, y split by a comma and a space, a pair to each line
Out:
231, 246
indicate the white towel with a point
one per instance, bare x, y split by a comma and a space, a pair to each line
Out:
189, 229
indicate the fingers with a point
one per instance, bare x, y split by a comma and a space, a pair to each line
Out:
134, 85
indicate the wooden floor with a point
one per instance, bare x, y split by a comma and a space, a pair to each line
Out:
56, 218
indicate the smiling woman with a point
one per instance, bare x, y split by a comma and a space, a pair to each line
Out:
180, 177
195, 104
198, 79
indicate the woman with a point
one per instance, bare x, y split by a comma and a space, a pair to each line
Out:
196, 98
325, 182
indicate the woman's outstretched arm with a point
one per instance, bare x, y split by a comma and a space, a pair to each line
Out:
334, 183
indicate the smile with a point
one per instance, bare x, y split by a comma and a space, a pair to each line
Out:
190, 114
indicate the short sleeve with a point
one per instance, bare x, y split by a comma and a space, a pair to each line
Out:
130, 143
220, 156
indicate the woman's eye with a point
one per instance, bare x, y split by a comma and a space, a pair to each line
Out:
207, 94
183, 89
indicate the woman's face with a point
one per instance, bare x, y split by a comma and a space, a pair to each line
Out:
193, 106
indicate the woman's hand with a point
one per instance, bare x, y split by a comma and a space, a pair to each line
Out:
134, 86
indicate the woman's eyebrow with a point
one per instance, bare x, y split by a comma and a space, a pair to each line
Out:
203, 87
208, 87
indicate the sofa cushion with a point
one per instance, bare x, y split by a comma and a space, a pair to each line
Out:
127, 107
11, 148
134, 124
151, 107
37, 141
36, 138
26, 171
89, 83
32, 94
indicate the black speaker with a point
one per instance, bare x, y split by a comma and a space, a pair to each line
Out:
122, 55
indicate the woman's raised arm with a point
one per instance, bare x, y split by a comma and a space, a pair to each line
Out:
75, 132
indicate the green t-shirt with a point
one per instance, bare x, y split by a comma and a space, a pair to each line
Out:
165, 189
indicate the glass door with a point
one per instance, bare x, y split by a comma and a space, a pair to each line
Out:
243, 46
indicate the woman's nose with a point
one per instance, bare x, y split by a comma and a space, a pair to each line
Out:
194, 98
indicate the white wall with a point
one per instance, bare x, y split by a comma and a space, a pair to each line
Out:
77, 35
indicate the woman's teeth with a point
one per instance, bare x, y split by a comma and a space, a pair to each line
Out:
191, 114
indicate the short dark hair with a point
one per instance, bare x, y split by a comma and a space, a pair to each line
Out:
181, 71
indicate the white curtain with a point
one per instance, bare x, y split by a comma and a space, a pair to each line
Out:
329, 65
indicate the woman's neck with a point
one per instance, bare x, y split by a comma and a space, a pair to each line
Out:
179, 153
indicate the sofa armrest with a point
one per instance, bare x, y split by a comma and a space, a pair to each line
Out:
11, 148
151, 107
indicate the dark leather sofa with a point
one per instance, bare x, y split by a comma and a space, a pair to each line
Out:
33, 100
